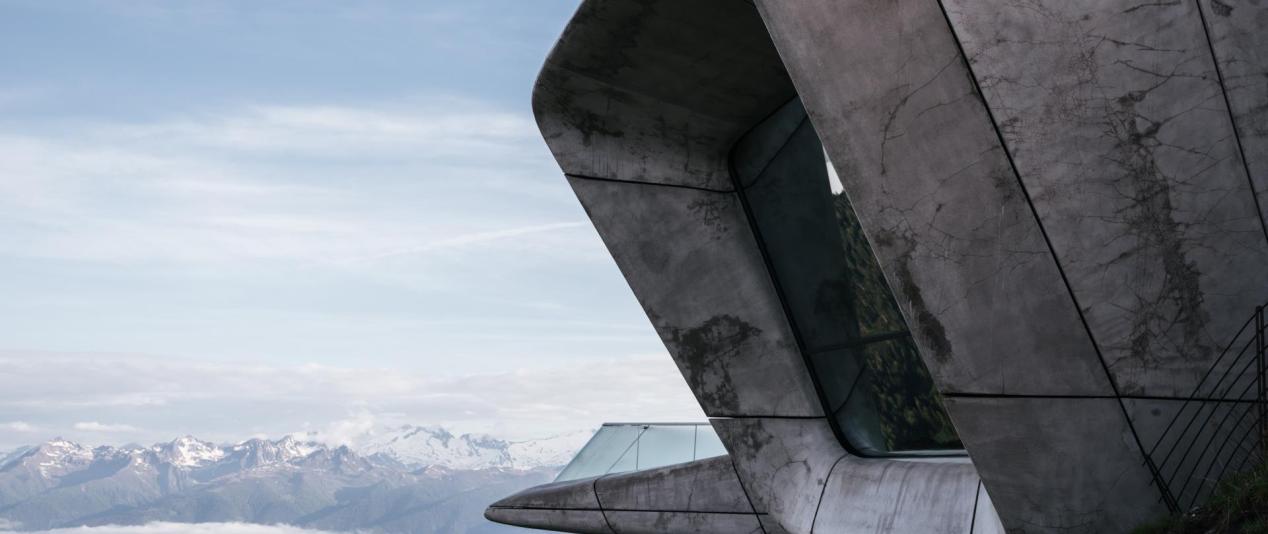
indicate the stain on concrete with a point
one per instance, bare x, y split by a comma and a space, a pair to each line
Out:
1172, 310
704, 353
1221, 9
928, 327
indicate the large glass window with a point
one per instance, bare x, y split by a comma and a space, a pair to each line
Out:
624, 447
875, 385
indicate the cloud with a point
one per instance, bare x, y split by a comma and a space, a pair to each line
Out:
18, 426
176, 528
315, 184
190, 396
93, 426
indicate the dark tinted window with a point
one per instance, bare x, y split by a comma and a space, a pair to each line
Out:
875, 384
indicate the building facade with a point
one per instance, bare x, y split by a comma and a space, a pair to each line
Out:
927, 265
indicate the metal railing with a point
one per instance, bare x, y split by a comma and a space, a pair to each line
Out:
1219, 430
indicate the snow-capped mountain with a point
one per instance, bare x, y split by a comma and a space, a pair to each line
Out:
430, 446
413, 479
188, 451
58, 457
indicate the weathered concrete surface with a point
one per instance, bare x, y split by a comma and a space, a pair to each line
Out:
709, 485
1058, 465
784, 463
579, 521
571, 494
693, 522
865, 495
770, 525
661, 101
892, 101
693, 264
1240, 46
1116, 121
703, 496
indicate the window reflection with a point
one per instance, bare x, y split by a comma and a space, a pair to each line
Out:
860, 350
624, 447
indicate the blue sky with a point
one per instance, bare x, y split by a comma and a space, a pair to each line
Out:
243, 218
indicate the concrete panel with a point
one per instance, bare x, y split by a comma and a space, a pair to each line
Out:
709, 485
770, 525
572, 494
882, 495
784, 464
694, 265
892, 101
579, 521
685, 522
665, 100
626, 142
1240, 44
1116, 121
702, 496
1058, 465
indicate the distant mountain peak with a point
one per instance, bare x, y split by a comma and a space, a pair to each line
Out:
433, 446
188, 451
60, 483
430, 448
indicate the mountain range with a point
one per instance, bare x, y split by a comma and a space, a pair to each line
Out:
397, 480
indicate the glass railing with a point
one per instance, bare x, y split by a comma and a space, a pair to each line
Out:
624, 447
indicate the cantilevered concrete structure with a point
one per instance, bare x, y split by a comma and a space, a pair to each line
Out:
1008, 298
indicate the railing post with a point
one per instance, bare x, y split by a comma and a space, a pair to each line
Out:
1262, 389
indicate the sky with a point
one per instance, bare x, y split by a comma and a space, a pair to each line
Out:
176, 528
236, 218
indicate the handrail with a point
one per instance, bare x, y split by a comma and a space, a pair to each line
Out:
1212, 415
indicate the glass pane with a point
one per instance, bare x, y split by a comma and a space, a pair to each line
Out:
845, 314
601, 452
838, 372
627, 462
907, 409
873, 305
666, 445
708, 444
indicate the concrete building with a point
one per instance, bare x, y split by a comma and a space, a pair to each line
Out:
928, 265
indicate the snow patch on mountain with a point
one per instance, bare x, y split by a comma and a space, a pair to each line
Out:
57, 457
189, 451
553, 451
433, 446
417, 447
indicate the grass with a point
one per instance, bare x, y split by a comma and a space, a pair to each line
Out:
1239, 506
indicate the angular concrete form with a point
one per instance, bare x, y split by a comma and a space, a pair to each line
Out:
702, 496
1001, 306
